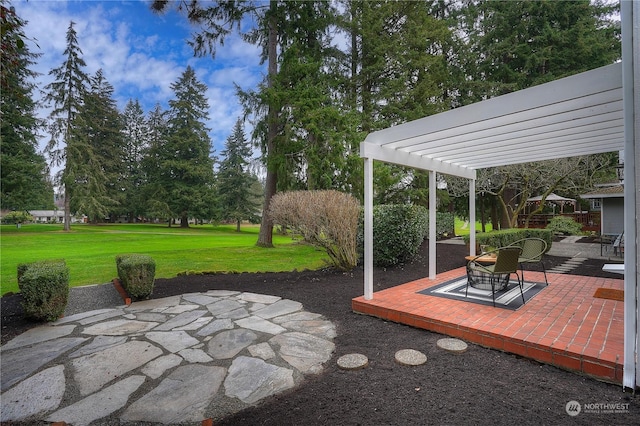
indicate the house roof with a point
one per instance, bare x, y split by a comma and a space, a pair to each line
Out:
577, 115
613, 191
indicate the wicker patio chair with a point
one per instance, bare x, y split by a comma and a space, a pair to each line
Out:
494, 277
532, 251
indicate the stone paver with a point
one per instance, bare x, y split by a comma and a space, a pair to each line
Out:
37, 335
251, 379
93, 371
181, 397
303, 351
170, 361
100, 404
452, 345
21, 363
173, 341
228, 344
353, 361
410, 357
38, 394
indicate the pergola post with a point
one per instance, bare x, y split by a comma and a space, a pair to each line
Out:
472, 217
368, 228
630, 15
432, 225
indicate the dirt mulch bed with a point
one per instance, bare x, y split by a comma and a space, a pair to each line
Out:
481, 386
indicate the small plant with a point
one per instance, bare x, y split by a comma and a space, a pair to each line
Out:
564, 225
136, 272
45, 289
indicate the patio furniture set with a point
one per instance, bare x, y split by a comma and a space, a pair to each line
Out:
491, 271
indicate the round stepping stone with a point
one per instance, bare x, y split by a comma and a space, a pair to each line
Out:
353, 361
410, 357
452, 345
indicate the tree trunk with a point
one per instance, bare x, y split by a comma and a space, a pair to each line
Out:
265, 237
238, 225
184, 220
67, 210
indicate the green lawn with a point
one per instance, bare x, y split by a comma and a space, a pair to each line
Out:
90, 251
462, 228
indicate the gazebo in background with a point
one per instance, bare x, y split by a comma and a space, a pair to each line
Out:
590, 220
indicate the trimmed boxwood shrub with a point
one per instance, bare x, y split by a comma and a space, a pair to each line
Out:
44, 286
496, 239
137, 274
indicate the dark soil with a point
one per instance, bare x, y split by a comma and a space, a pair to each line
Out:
481, 386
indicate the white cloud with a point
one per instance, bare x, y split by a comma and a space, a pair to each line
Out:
141, 54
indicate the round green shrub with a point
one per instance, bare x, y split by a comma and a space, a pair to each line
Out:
137, 274
564, 225
398, 231
45, 289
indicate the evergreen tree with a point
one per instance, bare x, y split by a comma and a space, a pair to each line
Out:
23, 171
154, 189
68, 145
519, 44
397, 72
236, 200
99, 179
216, 20
314, 146
136, 138
187, 170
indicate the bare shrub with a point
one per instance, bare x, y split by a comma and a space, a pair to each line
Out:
327, 219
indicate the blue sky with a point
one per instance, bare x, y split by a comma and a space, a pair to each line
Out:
141, 54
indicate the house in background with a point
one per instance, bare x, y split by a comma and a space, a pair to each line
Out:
47, 216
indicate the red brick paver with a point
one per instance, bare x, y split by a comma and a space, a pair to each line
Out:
563, 325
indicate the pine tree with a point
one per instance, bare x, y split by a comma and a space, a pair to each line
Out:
68, 145
99, 188
24, 172
520, 44
154, 188
236, 198
216, 21
187, 169
136, 134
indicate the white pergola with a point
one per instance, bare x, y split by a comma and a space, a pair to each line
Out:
593, 112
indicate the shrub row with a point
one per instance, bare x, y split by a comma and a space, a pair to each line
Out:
44, 286
496, 239
137, 274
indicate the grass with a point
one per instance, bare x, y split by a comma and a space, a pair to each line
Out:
462, 227
90, 251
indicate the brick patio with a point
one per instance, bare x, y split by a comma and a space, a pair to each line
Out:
563, 325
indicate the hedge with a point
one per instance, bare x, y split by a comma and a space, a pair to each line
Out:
496, 239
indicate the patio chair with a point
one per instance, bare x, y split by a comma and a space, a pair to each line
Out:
494, 277
532, 251
606, 243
